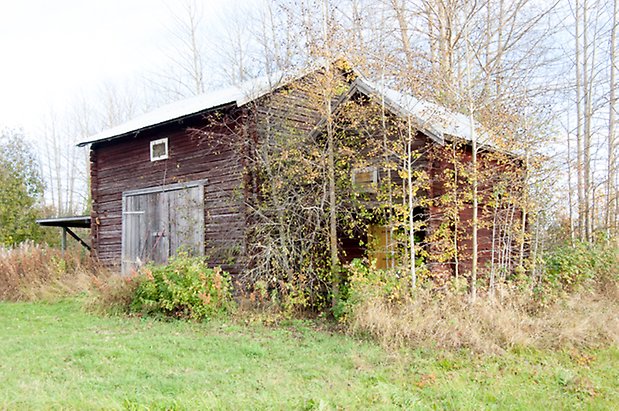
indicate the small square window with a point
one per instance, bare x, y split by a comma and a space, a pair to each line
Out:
159, 149
365, 180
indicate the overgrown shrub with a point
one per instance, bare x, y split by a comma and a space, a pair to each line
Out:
184, 288
383, 307
573, 266
31, 271
366, 283
260, 303
113, 294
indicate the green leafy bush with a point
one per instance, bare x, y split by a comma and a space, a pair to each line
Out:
21, 190
570, 267
184, 288
369, 284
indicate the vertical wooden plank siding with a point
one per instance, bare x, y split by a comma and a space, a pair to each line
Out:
158, 224
186, 220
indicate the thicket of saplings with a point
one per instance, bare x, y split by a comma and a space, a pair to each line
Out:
574, 302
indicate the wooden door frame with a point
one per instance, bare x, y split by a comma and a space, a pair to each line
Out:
145, 191
164, 188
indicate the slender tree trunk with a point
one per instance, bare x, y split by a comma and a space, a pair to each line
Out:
279, 208
510, 240
411, 221
588, 114
523, 221
536, 248
493, 251
475, 226
398, 8
327, 95
457, 214
475, 223
390, 247
196, 57
570, 185
611, 189
579, 131
335, 262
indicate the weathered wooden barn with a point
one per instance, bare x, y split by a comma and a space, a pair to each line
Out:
177, 178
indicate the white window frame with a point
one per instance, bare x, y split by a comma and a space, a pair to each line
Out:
374, 183
156, 142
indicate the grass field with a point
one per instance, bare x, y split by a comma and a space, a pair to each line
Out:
54, 355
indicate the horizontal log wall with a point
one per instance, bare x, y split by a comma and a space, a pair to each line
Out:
197, 151
491, 170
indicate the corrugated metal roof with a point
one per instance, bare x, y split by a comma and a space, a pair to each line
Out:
433, 119
239, 95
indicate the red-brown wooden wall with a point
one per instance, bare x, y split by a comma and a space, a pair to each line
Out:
212, 154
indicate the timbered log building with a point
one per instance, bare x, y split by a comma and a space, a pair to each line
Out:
177, 178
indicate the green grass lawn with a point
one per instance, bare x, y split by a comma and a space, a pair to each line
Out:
57, 356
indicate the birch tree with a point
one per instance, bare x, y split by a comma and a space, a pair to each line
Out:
612, 197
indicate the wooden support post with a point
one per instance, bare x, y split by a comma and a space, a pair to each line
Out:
63, 241
77, 238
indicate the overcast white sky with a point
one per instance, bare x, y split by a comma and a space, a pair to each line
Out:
52, 50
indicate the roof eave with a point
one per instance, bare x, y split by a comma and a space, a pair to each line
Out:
282, 81
134, 133
72, 221
394, 107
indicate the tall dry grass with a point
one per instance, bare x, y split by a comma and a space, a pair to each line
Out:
586, 319
34, 272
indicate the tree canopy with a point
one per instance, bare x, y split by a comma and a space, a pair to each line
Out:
21, 189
